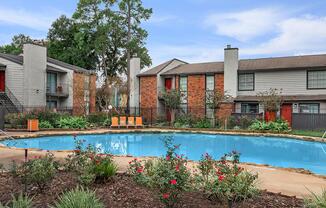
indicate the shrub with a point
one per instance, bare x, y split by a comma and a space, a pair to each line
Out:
183, 121
277, 126
106, 122
45, 125
39, 171
240, 122
20, 202
168, 174
78, 198
18, 120
97, 119
315, 201
50, 116
203, 123
90, 166
230, 183
72, 123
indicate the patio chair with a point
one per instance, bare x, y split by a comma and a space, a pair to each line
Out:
123, 121
114, 122
139, 122
131, 121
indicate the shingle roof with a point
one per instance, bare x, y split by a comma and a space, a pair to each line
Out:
54, 69
157, 69
198, 68
20, 60
285, 98
13, 58
290, 62
277, 63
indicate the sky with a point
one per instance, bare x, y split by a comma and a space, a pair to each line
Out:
197, 30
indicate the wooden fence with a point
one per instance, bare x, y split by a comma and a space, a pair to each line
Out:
309, 121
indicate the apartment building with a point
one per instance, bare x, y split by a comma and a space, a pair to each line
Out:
302, 80
33, 80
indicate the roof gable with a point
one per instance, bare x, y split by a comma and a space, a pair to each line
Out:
159, 68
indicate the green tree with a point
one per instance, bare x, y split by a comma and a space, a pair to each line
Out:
70, 44
16, 46
172, 101
133, 13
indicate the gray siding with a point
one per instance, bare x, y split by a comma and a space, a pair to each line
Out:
291, 82
14, 79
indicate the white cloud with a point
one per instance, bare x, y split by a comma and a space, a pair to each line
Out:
157, 19
28, 19
245, 25
299, 35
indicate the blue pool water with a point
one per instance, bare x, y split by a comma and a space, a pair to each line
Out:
280, 152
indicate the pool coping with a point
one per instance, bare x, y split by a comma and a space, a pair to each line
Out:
166, 130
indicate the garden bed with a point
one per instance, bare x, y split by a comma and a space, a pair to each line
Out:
122, 191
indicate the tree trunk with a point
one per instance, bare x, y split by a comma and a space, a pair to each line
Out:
172, 111
128, 55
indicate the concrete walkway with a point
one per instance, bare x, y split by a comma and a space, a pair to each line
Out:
276, 180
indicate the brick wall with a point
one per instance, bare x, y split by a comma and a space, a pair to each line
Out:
219, 82
148, 97
196, 95
79, 87
92, 93
176, 82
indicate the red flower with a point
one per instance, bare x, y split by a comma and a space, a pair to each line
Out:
173, 181
177, 168
77, 151
221, 178
139, 170
97, 162
166, 195
130, 162
168, 157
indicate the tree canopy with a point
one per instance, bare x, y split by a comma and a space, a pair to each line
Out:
16, 46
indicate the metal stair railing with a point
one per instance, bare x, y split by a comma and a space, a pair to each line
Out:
14, 100
324, 135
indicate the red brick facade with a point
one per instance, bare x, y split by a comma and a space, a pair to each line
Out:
148, 97
219, 82
81, 84
196, 95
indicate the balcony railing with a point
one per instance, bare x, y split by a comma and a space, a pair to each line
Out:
61, 90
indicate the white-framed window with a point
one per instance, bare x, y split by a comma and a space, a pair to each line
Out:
316, 79
210, 86
246, 82
249, 108
309, 108
183, 87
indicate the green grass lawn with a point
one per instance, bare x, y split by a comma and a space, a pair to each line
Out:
308, 133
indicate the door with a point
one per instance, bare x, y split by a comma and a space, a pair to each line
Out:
2, 81
286, 113
168, 86
51, 85
168, 83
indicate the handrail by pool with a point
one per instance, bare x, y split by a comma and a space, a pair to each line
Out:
3, 132
324, 135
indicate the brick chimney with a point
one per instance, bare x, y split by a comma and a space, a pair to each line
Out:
231, 65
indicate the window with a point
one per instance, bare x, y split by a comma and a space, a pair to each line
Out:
183, 84
209, 92
249, 108
51, 84
246, 82
316, 79
51, 104
309, 108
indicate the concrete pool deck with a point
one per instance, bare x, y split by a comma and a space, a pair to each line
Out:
278, 180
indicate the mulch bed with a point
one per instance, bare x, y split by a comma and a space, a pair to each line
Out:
123, 192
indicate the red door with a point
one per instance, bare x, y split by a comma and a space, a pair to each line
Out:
168, 86
2, 81
286, 113
168, 83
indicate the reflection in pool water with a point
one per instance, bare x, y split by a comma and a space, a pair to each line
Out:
281, 152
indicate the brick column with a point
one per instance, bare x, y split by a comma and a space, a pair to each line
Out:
196, 95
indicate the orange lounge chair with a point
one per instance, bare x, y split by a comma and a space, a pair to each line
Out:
115, 122
131, 121
139, 122
123, 121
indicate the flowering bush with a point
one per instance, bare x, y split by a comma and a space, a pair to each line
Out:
39, 171
168, 174
89, 165
230, 182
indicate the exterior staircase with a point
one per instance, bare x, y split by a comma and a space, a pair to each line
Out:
10, 102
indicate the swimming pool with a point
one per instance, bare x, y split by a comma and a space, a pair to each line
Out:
275, 151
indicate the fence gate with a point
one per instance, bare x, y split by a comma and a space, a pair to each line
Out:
309, 121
